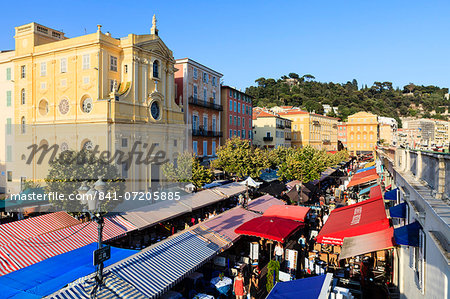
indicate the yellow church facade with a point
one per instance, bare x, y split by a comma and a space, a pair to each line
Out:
94, 90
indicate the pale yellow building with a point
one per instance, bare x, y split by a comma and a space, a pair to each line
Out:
318, 131
6, 120
441, 133
388, 130
362, 132
92, 90
269, 129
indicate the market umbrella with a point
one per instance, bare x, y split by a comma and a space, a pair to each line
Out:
272, 228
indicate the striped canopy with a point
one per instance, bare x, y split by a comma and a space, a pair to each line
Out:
113, 287
154, 271
23, 253
34, 226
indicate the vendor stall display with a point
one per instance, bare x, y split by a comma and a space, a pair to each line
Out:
362, 218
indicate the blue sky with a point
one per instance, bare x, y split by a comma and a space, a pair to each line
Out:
397, 41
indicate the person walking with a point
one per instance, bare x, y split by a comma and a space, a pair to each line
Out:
238, 286
278, 252
302, 243
254, 281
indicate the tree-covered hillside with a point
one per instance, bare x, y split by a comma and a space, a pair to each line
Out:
380, 98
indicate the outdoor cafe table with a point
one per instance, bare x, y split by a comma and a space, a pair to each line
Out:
203, 296
223, 286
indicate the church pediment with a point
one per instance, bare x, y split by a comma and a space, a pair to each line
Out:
157, 47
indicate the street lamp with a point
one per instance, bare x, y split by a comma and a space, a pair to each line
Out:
90, 200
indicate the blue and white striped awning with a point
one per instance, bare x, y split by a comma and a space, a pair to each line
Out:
366, 190
112, 287
156, 270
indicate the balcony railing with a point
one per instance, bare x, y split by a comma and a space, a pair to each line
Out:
280, 126
288, 126
206, 133
288, 138
268, 138
201, 103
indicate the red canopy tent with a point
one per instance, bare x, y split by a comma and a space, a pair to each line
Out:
273, 228
288, 212
358, 219
363, 174
375, 192
363, 180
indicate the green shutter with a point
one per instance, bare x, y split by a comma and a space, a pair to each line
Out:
8, 98
8, 73
8, 126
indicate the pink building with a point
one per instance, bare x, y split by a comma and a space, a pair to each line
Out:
198, 92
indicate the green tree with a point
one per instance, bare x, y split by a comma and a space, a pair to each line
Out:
70, 168
187, 168
238, 158
273, 268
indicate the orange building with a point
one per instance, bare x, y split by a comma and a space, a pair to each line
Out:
198, 92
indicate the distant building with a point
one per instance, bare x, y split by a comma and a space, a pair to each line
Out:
198, 91
408, 138
342, 133
318, 131
237, 113
425, 127
327, 109
433, 132
388, 130
6, 121
270, 130
362, 132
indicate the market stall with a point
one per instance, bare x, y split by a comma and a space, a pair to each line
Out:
354, 220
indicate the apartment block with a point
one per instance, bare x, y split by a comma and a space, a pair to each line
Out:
198, 92
237, 113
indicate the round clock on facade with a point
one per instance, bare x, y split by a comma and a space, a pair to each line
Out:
87, 105
63, 106
155, 110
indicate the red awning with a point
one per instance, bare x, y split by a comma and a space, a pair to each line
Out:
273, 228
358, 245
288, 212
375, 192
363, 180
360, 175
358, 219
34, 226
23, 253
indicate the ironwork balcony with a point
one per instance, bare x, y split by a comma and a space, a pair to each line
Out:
206, 133
279, 126
288, 138
268, 138
288, 126
201, 103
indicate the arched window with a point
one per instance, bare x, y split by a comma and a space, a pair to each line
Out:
22, 96
156, 69
23, 125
